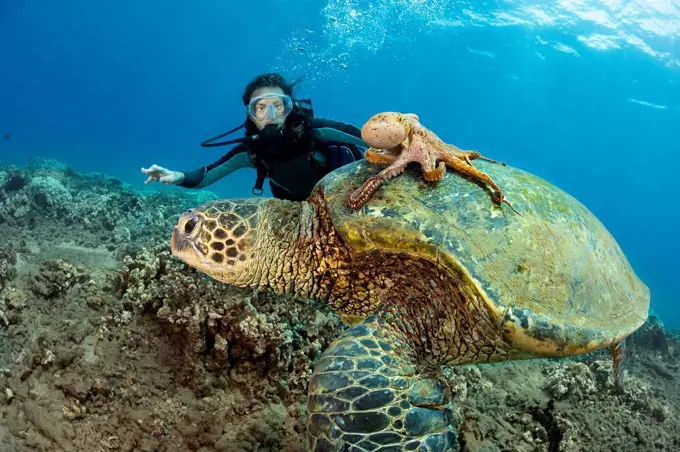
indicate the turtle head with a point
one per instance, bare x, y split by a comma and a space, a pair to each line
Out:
219, 238
388, 129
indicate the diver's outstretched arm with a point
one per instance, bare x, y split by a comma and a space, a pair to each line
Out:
201, 177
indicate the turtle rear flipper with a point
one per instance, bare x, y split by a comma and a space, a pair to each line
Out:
619, 355
366, 394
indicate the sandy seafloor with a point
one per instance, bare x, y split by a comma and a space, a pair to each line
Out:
108, 343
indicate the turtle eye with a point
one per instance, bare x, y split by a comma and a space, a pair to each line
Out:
190, 225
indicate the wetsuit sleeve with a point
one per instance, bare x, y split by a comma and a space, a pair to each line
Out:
330, 131
233, 160
318, 123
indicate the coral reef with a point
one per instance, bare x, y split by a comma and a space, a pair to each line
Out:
55, 277
654, 336
574, 379
7, 261
87, 208
238, 332
7, 272
109, 343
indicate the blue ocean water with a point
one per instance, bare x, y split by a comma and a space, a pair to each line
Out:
583, 93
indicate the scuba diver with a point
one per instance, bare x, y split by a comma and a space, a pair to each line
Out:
283, 142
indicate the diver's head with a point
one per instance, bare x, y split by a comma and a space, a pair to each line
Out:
268, 100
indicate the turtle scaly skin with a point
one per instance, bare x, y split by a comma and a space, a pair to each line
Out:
426, 277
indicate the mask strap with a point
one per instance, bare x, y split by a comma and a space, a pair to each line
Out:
210, 141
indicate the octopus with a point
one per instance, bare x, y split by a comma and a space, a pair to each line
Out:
397, 139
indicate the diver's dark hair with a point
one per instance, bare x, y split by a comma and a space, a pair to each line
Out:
270, 80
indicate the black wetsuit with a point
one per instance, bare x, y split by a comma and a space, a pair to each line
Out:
293, 174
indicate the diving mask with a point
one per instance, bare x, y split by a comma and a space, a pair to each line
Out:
270, 106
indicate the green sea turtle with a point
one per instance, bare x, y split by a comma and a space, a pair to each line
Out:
426, 276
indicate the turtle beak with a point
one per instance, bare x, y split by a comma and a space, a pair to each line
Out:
178, 243
184, 248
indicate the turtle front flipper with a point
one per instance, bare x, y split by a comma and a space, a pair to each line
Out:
366, 395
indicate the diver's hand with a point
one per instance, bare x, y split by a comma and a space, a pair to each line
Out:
163, 175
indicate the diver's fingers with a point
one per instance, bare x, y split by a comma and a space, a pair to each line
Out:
149, 179
153, 169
